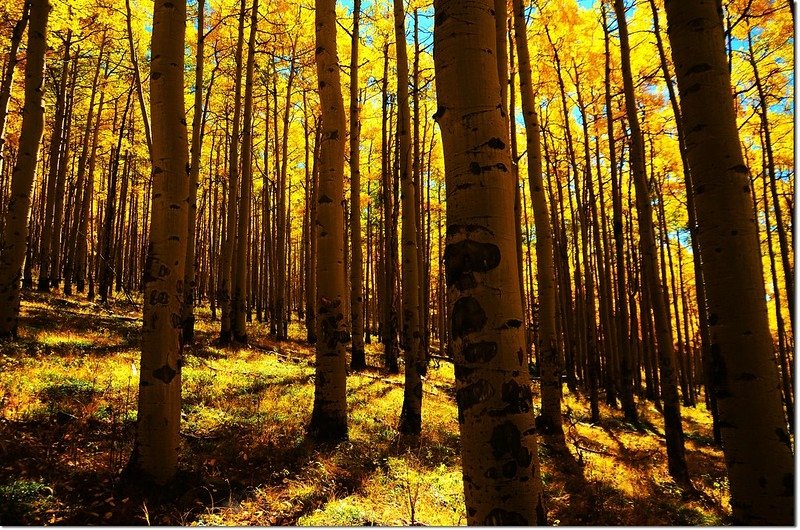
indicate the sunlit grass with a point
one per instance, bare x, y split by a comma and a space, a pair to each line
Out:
245, 411
65, 339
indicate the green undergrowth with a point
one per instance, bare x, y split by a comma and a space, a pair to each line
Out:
68, 390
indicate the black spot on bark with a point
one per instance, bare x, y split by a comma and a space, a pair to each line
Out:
324, 199
468, 317
501, 517
440, 110
719, 371
518, 398
509, 469
469, 396
468, 256
496, 143
713, 318
506, 440
462, 372
693, 88
739, 168
475, 168
468, 228
699, 68
471, 511
480, 352
788, 484
441, 16
502, 167
467, 281
513, 323
165, 374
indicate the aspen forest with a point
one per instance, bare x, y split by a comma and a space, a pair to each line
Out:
397, 262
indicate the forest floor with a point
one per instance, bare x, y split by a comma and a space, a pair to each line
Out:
68, 398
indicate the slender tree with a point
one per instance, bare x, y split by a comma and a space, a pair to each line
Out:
329, 417
8, 77
411, 415
550, 419
358, 360
673, 427
241, 269
229, 241
155, 452
15, 228
189, 281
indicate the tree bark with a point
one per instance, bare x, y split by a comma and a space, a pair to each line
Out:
155, 451
189, 280
329, 417
623, 330
550, 419
673, 427
229, 243
757, 448
357, 360
242, 263
137, 79
15, 228
485, 304
8, 77
411, 415
56, 138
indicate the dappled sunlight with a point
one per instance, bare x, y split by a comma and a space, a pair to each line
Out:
247, 460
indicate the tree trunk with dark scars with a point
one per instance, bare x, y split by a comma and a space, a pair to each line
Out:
502, 484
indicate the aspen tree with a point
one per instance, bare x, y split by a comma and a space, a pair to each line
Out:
137, 79
56, 139
411, 415
189, 281
500, 463
673, 428
744, 376
241, 262
229, 241
550, 419
155, 452
81, 186
329, 417
8, 77
357, 361
15, 228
